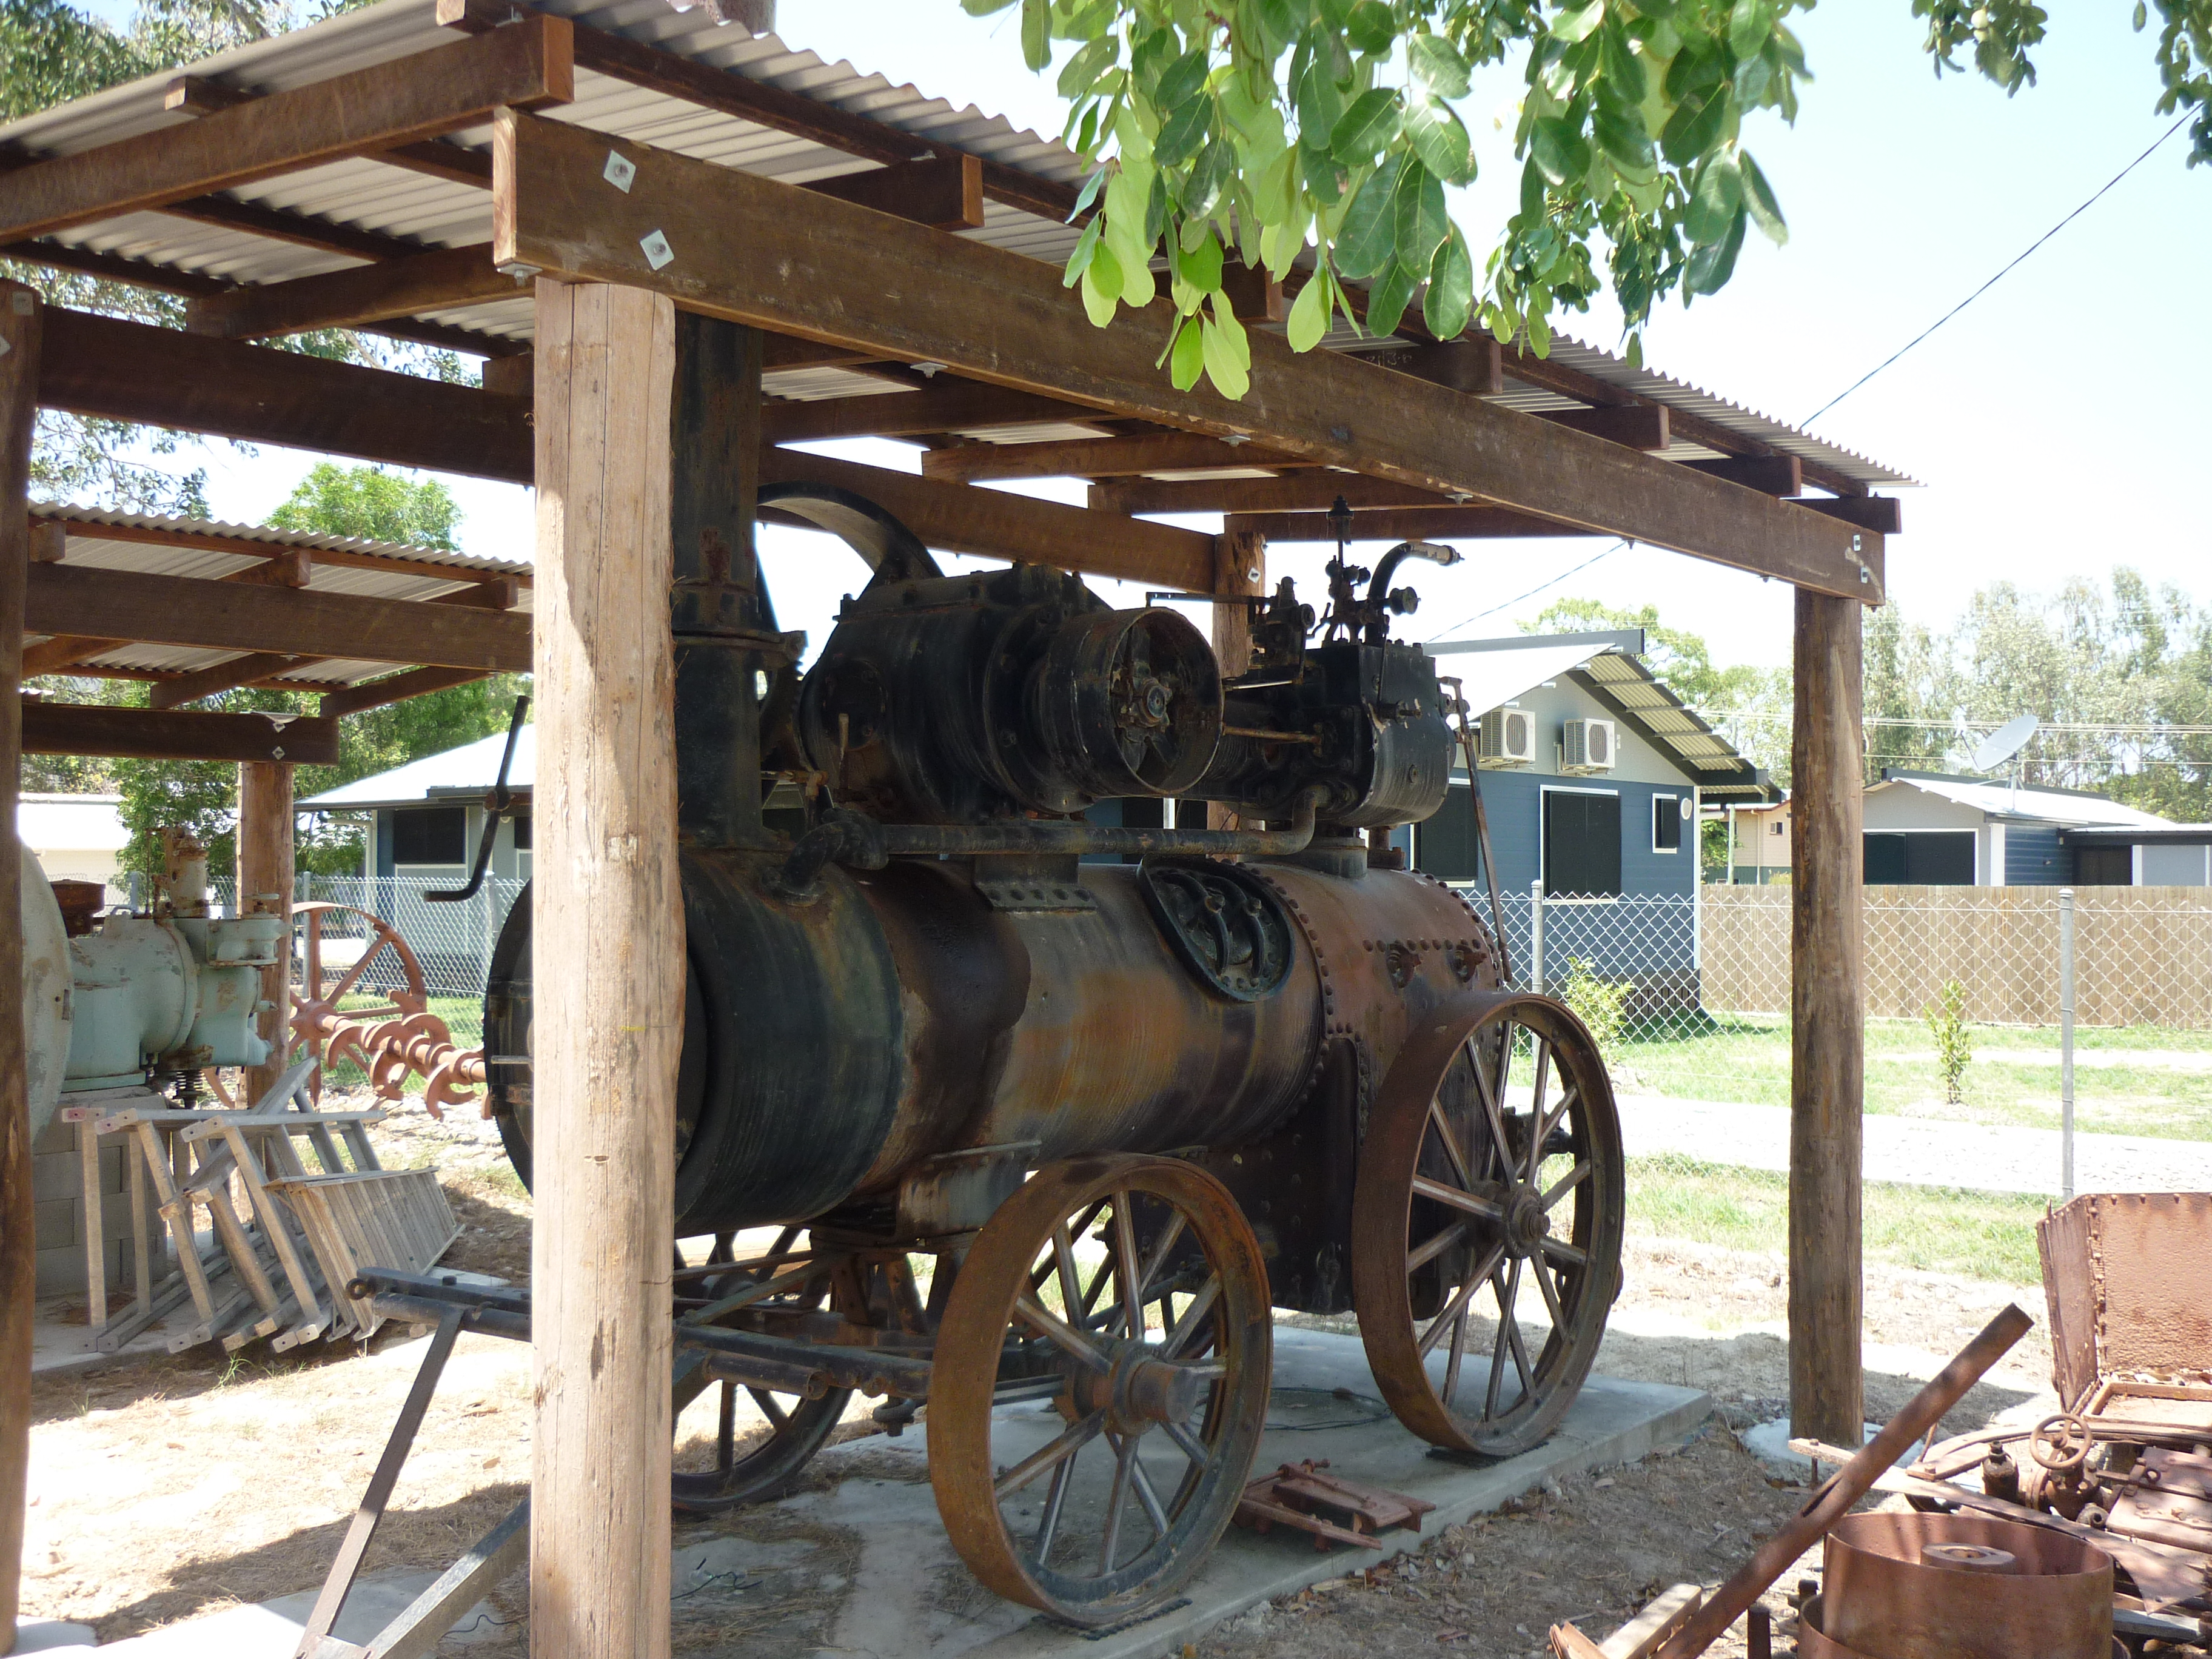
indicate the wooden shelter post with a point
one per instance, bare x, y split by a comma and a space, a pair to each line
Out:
264, 883
1827, 1067
1240, 566
20, 332
608, 926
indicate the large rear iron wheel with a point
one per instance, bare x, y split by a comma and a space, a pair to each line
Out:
1130, 1292
762, 1438
1489, 1209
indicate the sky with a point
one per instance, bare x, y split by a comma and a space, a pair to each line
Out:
2060, 424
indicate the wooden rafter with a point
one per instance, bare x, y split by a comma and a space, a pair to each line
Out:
1416, 524
949, 405
439, 279
997, 523
71, 728
245, 616
364, 111
196, 94
1102, 458
1298, 492
756, 251
396, 688
502, 582
274, 566
164, 377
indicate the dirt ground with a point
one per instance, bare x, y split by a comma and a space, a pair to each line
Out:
172, 1489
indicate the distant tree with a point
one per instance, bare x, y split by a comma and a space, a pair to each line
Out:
373, 504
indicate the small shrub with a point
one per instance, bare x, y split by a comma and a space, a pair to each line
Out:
1600, 1003
1954, 1052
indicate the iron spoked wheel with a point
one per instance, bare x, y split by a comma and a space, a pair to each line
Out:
1490, 1196
761, 1437
1135, 1285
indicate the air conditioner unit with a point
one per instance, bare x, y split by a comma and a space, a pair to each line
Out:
1587, 746
1508, 738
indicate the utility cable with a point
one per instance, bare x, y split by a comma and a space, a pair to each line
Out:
1531, 593
1993, 281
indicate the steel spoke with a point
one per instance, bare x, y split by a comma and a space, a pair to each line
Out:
1201, 1305
1070, 1441
1145, 1495
1192, 1447
1435, 1246
1567, 1099
1049, 1526
1125, 1268
1071, 1282
1169, 1235
1507, 1294
1487, 1208
1452, 1310
1574, 1177
1060, 1333
1458, 1354
1536, 1105
1125, 1454
777, 1417
1451, 1147
1497, 1118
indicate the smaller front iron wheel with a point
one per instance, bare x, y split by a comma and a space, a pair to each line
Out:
1491, 1194
1135, 1285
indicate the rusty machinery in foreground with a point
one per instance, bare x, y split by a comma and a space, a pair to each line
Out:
1023, 1129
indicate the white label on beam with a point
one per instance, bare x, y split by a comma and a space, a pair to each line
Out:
621, 170
657, 250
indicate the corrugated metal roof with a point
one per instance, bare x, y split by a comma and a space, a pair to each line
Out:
369, 195
2000, 800
471, 770
88, 547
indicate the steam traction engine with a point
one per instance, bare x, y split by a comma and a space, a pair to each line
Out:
993, 1126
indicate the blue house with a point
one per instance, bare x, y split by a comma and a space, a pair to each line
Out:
1594, 776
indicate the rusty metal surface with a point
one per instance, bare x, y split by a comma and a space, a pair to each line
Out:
2129, 1278
1883, 1596
1035, 1273
1328, 1506
1451, 1204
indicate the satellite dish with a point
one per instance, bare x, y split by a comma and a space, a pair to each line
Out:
2007, 740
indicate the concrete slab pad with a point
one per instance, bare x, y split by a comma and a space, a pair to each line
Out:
52, 1636
865, 1566
270, 1630
61, 1345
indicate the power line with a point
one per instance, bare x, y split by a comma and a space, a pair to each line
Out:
1993, 281
1530, 595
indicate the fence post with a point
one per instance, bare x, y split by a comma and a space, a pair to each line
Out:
2066, 1043
1536, 935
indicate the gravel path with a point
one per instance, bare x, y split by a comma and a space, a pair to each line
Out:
1922, 1152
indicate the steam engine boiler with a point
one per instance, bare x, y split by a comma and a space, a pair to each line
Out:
987, 1102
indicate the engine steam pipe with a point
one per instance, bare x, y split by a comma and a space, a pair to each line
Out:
846, 837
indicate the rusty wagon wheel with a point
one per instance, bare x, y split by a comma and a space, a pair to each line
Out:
385, 960
1135, 1285
763, 1437
1490, 1187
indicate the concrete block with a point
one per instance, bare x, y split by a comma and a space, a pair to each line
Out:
58, 1137
54, 1224
56, 1175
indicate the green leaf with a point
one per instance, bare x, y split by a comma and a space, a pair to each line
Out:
1388, 299
1579, 23
984, 8
1182, 131
1102, 286
1450, 298
1714, 203
1181, 79
1370, 28
1759, 196
1201, 265
1366, 128
1625, 140
1087, 65
1694, 128
1436, 63
1309, 318
1137, 285
1440, 139
1422, 223
1364, 243
1561, 153
1091, 186
1280, 20
1624, 70
2142, 17
1712, 265
1209, 176
1321, 106
1228, 359
1749, 24
1188, 357
1037, 33
1087, 245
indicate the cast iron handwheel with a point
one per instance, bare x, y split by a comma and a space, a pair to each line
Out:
798, 1427
1169, 1381
1466, 1206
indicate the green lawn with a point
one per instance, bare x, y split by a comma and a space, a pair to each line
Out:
1979, 1235
2141, 1080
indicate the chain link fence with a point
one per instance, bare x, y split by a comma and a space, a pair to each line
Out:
1965, 999
452, 943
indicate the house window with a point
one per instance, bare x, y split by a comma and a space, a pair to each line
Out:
2105, 866
522, 842
1665, 824
430, 835
1941, 859
1581, 845
1444, 844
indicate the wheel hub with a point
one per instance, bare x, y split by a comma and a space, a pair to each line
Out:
1138, 1390
1528, 1224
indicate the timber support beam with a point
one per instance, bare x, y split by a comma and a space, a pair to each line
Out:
85, 728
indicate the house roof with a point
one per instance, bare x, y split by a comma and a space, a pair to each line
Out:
365, 195
2139, 835
77, 823
2029, 804
1609, 666
460, 774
